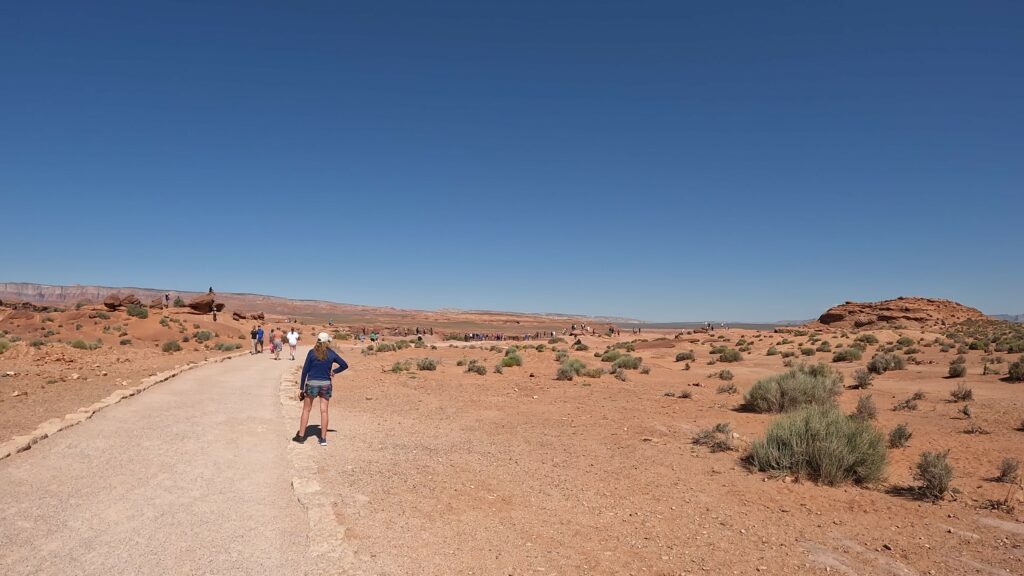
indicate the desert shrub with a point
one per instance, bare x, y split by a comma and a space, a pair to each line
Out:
426, 364
724, 375
83, 345
202, 335
511, 359
727, 388
195, 326
788, 353
904, 341
125, 341
908, 404
36, 342
957, 370
730, 355
401, 366
814, 384
386, 347
959, 359
103, 315
866, 409
476, 368
619, 374
227, 346
4, 345
1009, 471
869, 339
580, 347
402, 344
824, 347
561, 355
821, 443
934, 473
807, 351
499, 369
645, 370
137, 311
884, 362
541, 347
627, 346
962, 393
570, 368
171, 346
1016, 373
185, 338
911, 350
862, 378
627, 362
899, 436
462, 362
557, 340
847, 355
685, 356
717, 438
611, 355
962, 349
178, 302
595, 372
988, 369
773, 351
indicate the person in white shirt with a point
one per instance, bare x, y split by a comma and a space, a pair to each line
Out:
293, 341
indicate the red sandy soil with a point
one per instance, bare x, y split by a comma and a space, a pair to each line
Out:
449, 472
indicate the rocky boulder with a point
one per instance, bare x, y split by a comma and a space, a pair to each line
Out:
255, 316
156, 303
131, 299
203, 304
112, 302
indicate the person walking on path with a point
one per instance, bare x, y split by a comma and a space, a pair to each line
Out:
252, 336
277, 341
316, 381
259, 339
293, 341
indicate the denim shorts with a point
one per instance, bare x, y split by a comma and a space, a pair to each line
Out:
318, 388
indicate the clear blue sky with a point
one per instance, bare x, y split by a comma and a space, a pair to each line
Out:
659, 160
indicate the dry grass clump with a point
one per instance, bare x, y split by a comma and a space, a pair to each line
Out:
935, 474
476, 367
866, 409
401, 366
1016, 373
821, 443
962, 393
728, 388
627, 362
171, 346
1009, 471
957, 370
807, 384
717, 438
427, 364
512, 358
569, 369
730, 355
899, 436
684, 356
862, 378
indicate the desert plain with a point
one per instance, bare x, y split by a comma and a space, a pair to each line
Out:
546, 453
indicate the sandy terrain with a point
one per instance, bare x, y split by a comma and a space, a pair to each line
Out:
449, 472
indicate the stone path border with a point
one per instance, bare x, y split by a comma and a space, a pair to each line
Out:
326, 535
54, 425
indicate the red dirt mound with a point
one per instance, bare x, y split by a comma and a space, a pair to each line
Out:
905, 311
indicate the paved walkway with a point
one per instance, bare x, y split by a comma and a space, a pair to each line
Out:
189, 477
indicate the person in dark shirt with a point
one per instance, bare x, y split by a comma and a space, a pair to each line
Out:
316, 382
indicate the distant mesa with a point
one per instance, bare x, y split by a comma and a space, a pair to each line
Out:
909, 312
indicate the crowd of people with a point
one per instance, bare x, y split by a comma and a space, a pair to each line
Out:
278, 337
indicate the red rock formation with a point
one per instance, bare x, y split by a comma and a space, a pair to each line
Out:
905, 311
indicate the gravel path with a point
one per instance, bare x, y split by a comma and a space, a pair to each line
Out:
189, 477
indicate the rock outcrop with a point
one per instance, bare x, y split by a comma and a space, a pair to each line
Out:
202, 304
905, 311
254, 316
112, 302
156, 303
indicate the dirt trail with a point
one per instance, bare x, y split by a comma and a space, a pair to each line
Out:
190, 477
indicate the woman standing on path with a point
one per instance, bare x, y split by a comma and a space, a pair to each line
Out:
316, 381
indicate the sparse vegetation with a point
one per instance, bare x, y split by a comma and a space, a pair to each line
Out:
866, 409
1016, 371
426, 364
724, 375
512, 358
850, 354
171, 346
727, 388
1009, 471
137, 311
807, 384
773, 351
619, 374
227, 346
885, 362
125, 341
862, 378
627, 362
730, 355
202, 335
83, 345
595, 372
685, 356
899, 436
821, 443
401, 366
962, 393
611, 355
934, 473
717, 438
476, 368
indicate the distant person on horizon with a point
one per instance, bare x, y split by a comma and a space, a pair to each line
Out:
252, 335
259, 339
167, 300
317, 381
293, 341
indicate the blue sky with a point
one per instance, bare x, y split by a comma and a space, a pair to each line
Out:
659, 160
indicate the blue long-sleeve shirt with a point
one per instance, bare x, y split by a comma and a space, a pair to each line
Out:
316, 369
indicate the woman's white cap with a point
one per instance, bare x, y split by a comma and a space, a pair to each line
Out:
323, 337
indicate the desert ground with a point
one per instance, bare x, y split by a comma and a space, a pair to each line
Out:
436, 469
